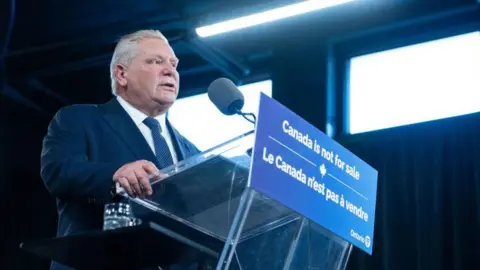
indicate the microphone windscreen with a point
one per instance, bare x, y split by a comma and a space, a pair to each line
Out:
226, 96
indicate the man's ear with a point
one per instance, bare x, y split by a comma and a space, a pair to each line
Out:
120, 73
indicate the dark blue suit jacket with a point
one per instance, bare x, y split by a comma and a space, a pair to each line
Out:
83, 148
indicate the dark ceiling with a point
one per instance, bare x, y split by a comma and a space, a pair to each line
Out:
60, 50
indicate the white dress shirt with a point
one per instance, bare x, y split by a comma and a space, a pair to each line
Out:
138, 117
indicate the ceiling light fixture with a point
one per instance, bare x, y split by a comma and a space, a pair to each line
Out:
267, 16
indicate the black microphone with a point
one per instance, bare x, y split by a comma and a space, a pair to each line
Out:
224, 94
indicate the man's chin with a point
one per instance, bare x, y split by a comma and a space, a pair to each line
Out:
165, 102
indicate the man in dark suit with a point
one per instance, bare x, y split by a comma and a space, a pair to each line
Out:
92, 150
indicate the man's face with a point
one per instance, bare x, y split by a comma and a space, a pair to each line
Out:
152, 79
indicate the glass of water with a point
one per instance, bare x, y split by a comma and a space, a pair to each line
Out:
118, 215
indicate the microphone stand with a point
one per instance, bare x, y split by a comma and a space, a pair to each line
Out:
245, 115
254, 121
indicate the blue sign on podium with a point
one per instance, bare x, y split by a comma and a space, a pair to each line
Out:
304, 169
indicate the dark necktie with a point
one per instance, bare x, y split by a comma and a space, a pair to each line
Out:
161, 148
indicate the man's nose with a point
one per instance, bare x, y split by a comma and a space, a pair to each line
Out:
167, 70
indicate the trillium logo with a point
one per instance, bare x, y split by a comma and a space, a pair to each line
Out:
367, 241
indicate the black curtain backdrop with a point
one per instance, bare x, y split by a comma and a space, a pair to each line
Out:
28, 211
428, 200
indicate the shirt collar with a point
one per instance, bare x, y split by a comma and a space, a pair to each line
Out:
137, 115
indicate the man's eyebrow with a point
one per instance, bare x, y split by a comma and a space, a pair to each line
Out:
173, 58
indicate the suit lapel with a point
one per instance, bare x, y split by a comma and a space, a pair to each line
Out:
124, 126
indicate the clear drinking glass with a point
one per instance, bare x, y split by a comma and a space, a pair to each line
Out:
118, 215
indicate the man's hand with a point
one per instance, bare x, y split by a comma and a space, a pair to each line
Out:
135, 177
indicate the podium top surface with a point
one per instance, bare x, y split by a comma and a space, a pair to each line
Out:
204, 192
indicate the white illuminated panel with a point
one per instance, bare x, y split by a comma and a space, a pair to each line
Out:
413, 84
200, 121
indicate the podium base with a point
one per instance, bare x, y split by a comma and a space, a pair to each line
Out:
145, 246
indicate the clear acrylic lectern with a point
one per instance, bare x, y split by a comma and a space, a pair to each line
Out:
206, 202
